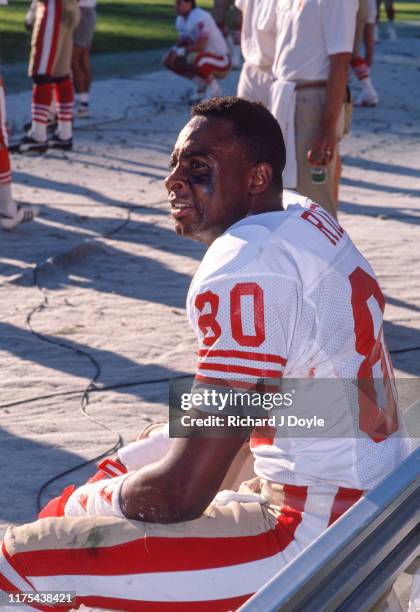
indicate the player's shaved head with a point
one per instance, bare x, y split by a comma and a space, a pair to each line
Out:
255, 127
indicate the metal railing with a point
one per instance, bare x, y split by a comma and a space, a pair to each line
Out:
352, 564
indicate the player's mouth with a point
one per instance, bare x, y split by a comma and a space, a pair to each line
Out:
181, 209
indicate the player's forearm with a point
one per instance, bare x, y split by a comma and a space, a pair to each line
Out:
336, 85
182, 485
153, 497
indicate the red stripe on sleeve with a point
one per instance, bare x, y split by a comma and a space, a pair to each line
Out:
221, 367
265, 357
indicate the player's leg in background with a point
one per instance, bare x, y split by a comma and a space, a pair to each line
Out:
220, 14
236, 37
376, 35
368, 95
61, 76
81, 67
7, 204
209, 67
43, 47
390, 13
11, 214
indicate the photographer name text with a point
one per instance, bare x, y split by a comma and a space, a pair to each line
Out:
226, 420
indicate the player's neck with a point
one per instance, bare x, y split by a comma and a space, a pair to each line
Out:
271, 203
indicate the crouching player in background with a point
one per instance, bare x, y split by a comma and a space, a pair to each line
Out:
201, 53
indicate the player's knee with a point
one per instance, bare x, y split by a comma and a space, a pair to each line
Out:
41, 79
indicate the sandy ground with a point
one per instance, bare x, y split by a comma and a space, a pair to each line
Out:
93, 293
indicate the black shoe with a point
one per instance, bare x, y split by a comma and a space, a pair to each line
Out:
28, 145
54, 142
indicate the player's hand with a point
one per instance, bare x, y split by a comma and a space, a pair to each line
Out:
322, 150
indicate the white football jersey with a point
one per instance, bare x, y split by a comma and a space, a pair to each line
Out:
199, 24
287, 295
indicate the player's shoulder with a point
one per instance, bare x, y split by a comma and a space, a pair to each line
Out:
300, 242
198, 15
247, 248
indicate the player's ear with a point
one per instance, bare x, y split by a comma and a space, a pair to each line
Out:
261, 179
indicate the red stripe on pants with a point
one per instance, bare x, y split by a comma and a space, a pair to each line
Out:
166, 554
343, 500
56, 32
39, 42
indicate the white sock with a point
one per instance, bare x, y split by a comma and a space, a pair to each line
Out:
38, 131
368, 86
83, 97
8, 206
64, 131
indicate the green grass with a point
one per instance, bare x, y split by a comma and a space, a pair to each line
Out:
405, 11
124, 25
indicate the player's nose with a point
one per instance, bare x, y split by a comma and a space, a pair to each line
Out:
175, 181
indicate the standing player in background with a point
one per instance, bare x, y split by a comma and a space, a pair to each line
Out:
279, 294
50, 69
314, 42
80, 63
221, 9
258, 49
365, 23
390, 13
11, 213
201, 53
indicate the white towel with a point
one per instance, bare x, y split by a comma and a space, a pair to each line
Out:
282, 106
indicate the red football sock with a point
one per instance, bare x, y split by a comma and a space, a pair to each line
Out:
65, 97
360, 68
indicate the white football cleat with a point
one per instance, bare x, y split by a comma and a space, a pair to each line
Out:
367, 99
24, 214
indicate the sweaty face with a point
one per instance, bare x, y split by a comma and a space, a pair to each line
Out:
209, 179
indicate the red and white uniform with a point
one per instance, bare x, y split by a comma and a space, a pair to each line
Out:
5, 171
200, 24
288, 295
273, 297
215, 59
